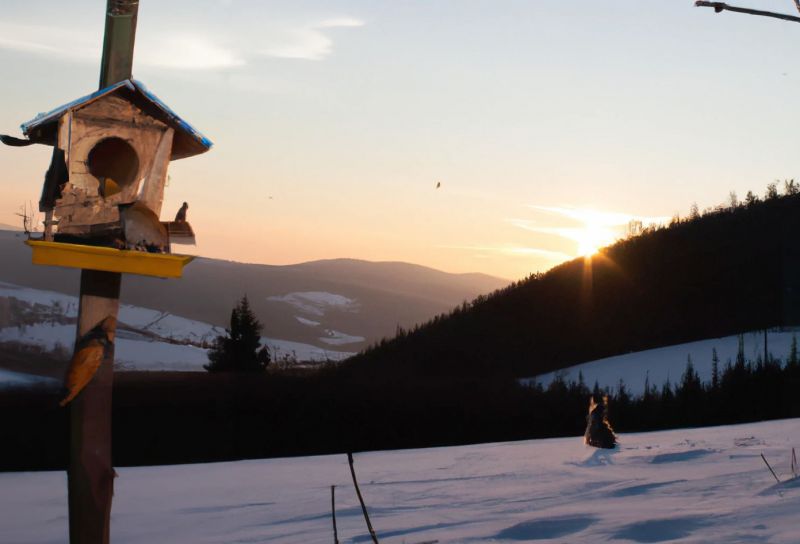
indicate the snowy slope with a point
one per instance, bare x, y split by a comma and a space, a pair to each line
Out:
9, 378
691, 485
669, 363
147, 340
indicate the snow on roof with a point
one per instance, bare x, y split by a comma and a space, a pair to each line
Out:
187, 142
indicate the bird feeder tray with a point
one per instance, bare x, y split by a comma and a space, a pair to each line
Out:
162, 265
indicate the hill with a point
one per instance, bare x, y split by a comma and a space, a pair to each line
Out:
341, 304
728, 271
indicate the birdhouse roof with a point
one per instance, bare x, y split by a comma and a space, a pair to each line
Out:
187, 140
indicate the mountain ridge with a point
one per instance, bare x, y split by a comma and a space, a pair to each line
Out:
386, 294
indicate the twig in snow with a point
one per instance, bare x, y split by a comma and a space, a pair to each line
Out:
770, 469
333, 514
361, 500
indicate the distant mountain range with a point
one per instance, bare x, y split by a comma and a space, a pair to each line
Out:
340, 305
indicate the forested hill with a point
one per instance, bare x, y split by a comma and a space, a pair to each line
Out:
730, 270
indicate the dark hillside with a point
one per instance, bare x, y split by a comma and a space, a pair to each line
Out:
728, 271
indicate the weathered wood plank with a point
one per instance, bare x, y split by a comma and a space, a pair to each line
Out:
152, 194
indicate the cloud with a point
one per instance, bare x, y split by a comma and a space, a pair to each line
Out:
599, 218
186, 52
173, 51
61, 43
309, 42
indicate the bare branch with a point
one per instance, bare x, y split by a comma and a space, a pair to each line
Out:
722, 6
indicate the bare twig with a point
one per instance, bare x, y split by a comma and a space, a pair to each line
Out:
722, 6
333, 514
361, 500
770, 469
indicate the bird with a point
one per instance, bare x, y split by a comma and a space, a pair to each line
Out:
90, 351
142, 228
181, 215
438, 184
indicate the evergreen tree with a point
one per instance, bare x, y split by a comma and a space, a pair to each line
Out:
740, 352
793, 360
772, 191
240, 349
714, 370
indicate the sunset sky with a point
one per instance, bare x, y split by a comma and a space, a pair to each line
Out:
333, 121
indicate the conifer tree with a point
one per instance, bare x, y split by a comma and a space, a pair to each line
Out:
793, 358
714, 370
240, 349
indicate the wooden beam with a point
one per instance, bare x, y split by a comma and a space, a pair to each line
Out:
90, 475
120, 35
722, 6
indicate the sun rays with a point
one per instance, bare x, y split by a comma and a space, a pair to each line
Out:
595, 229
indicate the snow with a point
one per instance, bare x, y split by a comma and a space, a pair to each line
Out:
669, 363
305, 321
280, 349
148, 339
317, 302
689, 485
134, 351
11, 379
68, 305
336, 338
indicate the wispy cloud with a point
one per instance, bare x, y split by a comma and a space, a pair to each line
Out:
309, 42
60, 43
186, 52
599, 218
176, 50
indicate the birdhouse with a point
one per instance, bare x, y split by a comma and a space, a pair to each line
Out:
105, 184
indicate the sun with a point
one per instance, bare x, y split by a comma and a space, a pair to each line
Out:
591, 238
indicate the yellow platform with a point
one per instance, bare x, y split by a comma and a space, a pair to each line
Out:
108, 259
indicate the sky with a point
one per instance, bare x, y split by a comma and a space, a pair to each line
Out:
547, 125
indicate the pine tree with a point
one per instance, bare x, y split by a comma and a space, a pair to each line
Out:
714, 370
740, 352
240, 349
793, 358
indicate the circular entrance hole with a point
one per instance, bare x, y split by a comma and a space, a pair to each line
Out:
114, 162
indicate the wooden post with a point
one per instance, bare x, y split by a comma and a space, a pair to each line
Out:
91, 475
117, 63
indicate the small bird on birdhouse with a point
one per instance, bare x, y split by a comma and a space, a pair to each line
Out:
181, 215
142, 228
90, 351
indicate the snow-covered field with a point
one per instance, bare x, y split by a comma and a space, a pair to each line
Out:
148, 339
317, 303
669, 363
692, 485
